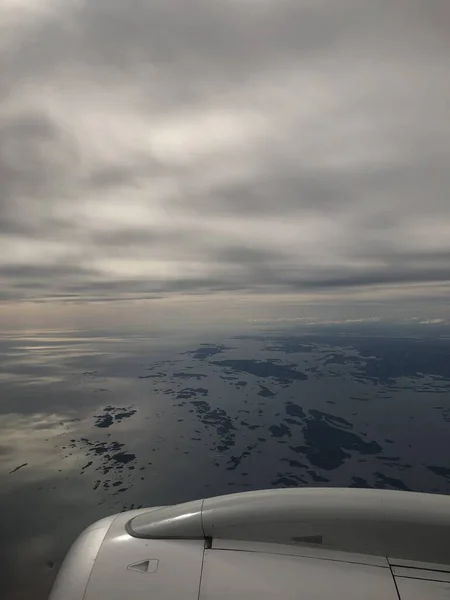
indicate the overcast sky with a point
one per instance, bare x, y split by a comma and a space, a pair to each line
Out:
163, 148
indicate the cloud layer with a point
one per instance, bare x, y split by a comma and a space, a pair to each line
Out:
197, 146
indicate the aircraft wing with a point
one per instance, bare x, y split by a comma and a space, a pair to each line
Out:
302, 544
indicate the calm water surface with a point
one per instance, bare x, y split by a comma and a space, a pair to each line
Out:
95, 423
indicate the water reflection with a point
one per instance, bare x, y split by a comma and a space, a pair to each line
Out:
92, 425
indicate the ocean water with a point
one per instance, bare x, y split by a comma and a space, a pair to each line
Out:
94, 423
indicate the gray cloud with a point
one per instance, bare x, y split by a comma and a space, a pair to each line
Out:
197, 43
170, 147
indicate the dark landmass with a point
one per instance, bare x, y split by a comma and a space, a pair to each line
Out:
291, 346
318, 478
104, 420
383, 482
107, 458
19, 467
441, 471
184, 375
288, 480
294, 463
327, 443
294, 410
206, 351
123, 457
113, 414
187, 393
265, 392
332, 419
280, 430
378, 359
264, 368
235, 461
217, 419
126, 414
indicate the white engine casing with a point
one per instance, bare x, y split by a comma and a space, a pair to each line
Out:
309, 543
